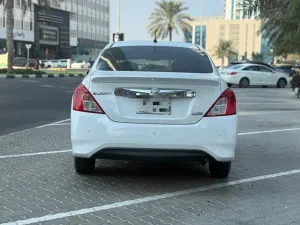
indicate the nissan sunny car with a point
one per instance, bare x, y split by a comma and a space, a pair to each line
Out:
144, 99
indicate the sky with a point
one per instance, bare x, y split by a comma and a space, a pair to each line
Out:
135, 15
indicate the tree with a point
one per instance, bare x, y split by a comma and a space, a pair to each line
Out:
167, 17
257, 57
224, 49
280, 22
9, 7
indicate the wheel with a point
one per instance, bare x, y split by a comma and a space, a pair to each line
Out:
244, 82
84, 165
48, 66
281, 83
229, 85
59, 66
219, 169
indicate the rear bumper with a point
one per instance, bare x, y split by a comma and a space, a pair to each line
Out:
95, 135
230, 79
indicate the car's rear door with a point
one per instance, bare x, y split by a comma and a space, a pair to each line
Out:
164, 85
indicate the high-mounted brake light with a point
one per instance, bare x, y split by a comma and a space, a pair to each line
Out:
224, 106
83, 101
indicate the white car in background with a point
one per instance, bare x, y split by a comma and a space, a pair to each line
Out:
254, 74
80, 64
62, 63
143, 99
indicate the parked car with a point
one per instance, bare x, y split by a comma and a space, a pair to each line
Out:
20, 62
42, 63
62, 63
80, 64
287, 69
149, 100
254, 74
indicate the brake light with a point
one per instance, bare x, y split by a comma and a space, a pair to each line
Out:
233, 73
84, 101
224, 106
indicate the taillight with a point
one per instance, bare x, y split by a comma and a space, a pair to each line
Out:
233, 73
224, 106
84, 101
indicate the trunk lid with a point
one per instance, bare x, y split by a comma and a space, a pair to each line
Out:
154, 97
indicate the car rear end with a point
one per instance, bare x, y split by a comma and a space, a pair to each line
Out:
151, 100
231, 74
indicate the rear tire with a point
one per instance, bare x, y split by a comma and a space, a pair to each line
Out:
281, 83
219, 169
84, 165
244, 82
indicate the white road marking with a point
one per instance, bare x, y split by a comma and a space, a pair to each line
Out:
32, 128
266, 103
51, 124
266, 112
115, 205
33, 154
64, 151
48, 86
58, 124
3, 85
268, 131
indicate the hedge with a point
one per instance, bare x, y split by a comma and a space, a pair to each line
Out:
24, 71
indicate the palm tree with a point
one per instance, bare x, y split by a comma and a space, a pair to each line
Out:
167, 17
280, 22
258, 57
9, 6
224, 49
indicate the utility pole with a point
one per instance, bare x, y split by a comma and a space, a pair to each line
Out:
201, 13
118, 16
118, 36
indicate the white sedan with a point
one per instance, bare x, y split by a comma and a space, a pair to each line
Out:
254, 74
80, 65
147, 100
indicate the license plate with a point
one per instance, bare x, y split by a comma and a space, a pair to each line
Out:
156, 106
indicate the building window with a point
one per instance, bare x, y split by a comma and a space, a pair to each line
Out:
17, 4
4, 22
30, 25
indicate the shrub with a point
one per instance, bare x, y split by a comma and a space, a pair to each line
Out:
24, 71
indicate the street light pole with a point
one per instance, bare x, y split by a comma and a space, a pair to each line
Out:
118, 16
201, 14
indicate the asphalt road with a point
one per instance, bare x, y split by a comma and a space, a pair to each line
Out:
26, 103
38, 184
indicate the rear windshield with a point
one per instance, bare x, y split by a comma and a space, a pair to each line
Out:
155, 59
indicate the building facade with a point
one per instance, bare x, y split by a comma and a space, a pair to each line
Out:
77, 29
233, 10
243, 33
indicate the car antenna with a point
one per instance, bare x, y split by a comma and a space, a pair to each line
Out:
155, 40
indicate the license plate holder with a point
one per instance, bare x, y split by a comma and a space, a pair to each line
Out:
154, 106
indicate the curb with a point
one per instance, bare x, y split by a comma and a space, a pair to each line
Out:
27, 76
